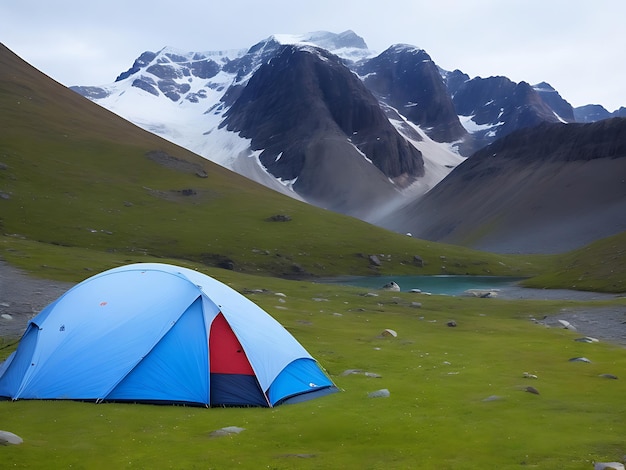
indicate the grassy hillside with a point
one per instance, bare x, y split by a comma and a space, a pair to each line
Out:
600, 266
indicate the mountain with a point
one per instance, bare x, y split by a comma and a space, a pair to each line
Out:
325, 127
321, 118
288, 114
406, 78
547, 189
596, 112
493, 107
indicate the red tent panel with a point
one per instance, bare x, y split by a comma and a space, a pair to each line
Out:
226, 354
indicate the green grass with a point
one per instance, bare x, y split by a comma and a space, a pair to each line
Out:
436, 416
600, 266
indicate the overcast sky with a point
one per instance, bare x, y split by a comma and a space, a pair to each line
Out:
578, 46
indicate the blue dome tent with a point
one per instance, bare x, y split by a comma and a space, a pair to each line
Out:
158, 333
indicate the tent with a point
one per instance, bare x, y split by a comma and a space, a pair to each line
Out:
157, 333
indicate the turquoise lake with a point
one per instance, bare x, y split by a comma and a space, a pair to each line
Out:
443, 285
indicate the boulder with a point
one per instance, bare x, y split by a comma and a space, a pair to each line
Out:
391, 286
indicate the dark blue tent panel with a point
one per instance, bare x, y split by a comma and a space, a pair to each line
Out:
236, 390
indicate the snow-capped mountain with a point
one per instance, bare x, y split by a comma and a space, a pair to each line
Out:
288, 113
322, 118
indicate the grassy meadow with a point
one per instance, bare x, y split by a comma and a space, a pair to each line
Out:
79, 194
439, 413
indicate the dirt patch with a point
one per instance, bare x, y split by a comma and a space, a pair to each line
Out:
603, 323
177, 164
22, 297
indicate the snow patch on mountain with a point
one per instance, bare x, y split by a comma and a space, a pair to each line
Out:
472, 126
439, 159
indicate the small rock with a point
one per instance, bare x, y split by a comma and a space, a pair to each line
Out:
579, 359
8, 438
6, 316
608, 376
587, 339
532, 390
226, 431
359, 371
279, 218
389, 332
378, 376
374, 260
382, 393
451, 324
608, 466
567, 325
492, 398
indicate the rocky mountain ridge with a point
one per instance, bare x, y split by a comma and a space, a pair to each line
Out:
547, 189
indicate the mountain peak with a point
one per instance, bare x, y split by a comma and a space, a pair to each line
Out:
324, 39
401, 47
347, 45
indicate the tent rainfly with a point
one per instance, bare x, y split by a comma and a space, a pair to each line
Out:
157, 333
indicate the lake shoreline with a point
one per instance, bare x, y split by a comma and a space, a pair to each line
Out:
23, 296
